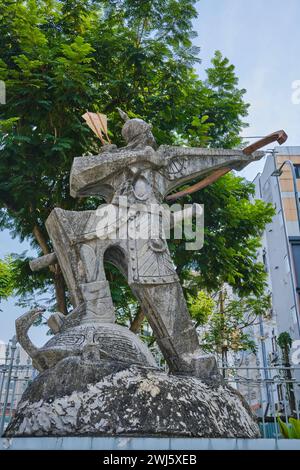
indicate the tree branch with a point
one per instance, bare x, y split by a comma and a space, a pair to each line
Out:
137, 321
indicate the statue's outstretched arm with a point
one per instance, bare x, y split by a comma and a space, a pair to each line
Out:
89, 173
184, 164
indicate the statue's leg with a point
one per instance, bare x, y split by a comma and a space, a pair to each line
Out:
167, 313
81, 261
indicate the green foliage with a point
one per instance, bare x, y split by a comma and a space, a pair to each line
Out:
59, 58
291, 430
6, 279
26, 292
226, 329
284, 341
233, 226
226, 103
201, 307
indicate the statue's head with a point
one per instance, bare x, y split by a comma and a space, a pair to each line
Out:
136, 132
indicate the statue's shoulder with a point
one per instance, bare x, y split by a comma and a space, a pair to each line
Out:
106, 153
109, 148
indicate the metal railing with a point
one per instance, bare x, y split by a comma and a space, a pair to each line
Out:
270, 391
15, 375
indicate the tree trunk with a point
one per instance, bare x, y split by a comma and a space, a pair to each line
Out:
137, 321
41, 240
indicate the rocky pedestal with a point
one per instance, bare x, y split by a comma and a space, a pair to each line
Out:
102, 380
82, 398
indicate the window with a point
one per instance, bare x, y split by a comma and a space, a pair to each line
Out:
297, 170
295, 243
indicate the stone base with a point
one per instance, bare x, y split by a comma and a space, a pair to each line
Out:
117, 445
129, 401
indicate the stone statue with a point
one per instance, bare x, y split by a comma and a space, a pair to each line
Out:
142, 175
88, 347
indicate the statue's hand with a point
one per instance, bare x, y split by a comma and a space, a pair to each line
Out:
155, 158
108, 148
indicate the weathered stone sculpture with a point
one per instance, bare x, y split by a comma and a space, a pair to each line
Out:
98, 377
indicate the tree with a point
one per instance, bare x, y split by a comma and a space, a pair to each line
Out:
6, 280
59, 58
232, 236
285, 342
227, 327
201, 307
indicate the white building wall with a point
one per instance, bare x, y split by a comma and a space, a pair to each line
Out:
277, 250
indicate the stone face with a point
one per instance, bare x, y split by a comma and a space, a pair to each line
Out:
129, 401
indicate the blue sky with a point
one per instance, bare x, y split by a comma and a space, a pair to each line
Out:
261, 38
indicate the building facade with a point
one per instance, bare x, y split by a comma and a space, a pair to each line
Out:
280, 254
280, 251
